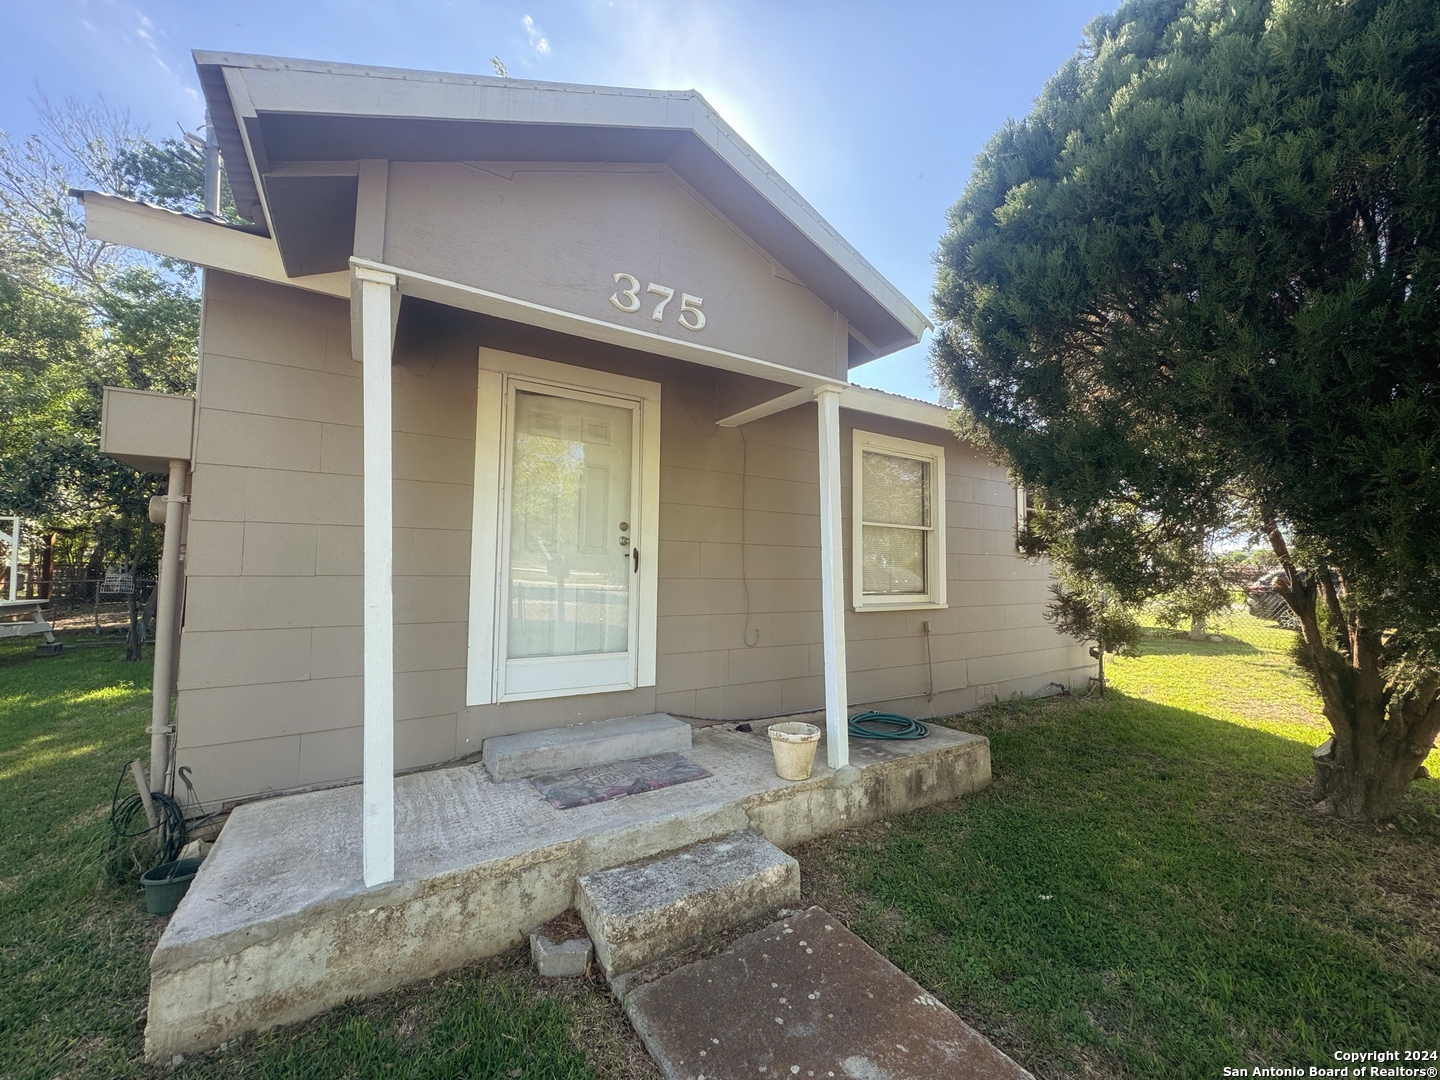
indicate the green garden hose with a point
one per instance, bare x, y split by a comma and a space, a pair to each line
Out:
894, 726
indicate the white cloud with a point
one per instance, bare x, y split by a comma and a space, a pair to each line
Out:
121, 33
538, 41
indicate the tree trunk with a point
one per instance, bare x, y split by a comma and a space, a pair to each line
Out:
147, 617
134, 646
94, 571
47, 566
134, 640
1197, 629
1363, 772
1382, 729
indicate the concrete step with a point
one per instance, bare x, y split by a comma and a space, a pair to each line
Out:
643, 911
556, 750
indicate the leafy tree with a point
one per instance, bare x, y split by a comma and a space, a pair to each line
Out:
1198, 289
77, 314
1196, 604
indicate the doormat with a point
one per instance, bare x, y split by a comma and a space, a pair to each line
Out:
600, 783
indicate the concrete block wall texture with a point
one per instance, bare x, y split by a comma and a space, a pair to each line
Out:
270, 660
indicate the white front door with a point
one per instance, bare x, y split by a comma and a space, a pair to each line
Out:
570, 566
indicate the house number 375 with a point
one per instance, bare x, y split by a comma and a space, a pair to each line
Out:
627, 299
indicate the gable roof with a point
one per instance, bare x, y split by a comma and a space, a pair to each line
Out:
292, 121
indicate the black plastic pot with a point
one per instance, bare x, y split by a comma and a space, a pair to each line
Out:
167, 884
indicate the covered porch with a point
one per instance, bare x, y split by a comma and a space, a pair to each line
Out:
376, 292
278, 925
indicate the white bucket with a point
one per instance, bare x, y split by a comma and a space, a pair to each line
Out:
794, 747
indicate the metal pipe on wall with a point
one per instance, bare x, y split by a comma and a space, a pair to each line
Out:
212, 168
166, 620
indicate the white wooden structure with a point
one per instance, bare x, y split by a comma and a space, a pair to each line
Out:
22, 618
19, 617
11, 536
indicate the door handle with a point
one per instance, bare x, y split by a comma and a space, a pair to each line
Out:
635, 554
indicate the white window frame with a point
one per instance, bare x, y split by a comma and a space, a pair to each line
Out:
935, 569
499, 374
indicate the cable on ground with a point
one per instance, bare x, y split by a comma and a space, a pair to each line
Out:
170, 830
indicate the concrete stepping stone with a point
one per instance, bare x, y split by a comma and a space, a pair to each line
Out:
558, 750
805, 998
643, 911
563, 959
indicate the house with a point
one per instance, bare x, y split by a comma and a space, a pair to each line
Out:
625, 453
523, 405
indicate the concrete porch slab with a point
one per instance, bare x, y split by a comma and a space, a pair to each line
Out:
278, 925
804, 997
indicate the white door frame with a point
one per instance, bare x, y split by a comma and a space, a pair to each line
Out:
500, 375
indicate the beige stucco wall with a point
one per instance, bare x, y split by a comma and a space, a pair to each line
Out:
498, 227
270, 656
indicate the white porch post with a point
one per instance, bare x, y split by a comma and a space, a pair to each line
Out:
378, 303
832, 579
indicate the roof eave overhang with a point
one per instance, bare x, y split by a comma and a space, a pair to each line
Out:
215, 246
241, 90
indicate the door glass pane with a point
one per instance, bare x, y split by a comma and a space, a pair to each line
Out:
570, 511
894, 561
897, 490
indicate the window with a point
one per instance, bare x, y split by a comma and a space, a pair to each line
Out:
898, 523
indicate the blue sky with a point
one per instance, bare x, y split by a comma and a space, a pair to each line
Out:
873, 111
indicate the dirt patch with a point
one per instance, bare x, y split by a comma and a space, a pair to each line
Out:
566, 926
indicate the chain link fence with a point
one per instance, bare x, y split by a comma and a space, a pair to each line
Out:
80, 600
1269, 605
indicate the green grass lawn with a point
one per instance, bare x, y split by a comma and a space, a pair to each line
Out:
76, 943
1142, 892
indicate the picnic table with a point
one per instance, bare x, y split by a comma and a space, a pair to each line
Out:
21, 618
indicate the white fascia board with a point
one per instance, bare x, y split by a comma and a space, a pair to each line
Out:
351, 90
244, 109
879, 403
215, 247
741, 157
468, 297
284, 85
